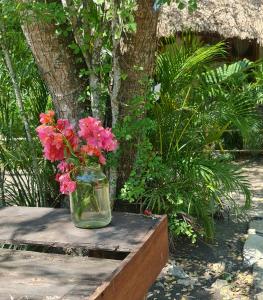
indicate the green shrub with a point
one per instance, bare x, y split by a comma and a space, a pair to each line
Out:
177, 170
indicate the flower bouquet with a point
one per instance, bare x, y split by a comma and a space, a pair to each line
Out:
80, 155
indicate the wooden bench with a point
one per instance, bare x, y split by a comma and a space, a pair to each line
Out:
121, 263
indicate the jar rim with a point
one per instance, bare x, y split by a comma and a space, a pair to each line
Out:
94, 166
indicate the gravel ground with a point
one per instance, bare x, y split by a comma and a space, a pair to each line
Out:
213, 271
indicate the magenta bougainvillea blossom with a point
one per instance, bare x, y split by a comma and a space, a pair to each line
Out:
73, 149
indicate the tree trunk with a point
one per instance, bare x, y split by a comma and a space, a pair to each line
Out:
136, 56
58, 66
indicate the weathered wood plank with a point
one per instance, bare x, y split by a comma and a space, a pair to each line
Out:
53, 227
32, 275
48, 276
139, 269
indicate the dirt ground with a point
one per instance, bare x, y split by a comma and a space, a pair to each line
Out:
216, 271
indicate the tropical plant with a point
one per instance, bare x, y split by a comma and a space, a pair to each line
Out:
22, 186
26, 178
178, 172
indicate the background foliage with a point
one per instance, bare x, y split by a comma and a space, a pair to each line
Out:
20, 183
178, 169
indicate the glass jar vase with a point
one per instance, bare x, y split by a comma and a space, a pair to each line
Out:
90, 202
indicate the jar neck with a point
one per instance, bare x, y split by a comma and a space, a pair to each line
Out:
90, 173
91, 168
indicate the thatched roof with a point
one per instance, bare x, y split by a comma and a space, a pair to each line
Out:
229, 18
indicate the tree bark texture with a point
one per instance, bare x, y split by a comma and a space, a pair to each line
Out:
58, 67
136, 57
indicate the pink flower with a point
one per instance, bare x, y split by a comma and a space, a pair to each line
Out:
90, 150
108, 140
47, 118
43, 132
53, 139
67, 185
60, 142
95, 135
52, 142
89, 130
54, 147
64, 167
102, 159
93, 151
68, 132
63, 124
57, 177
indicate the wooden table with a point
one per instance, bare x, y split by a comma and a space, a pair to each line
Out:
123, 259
